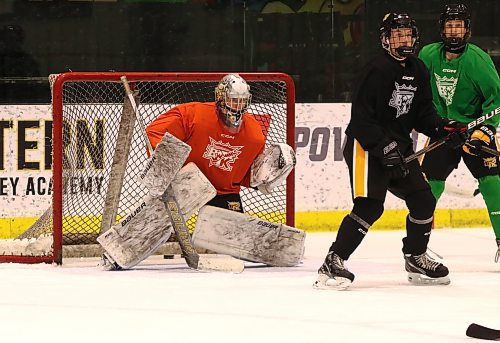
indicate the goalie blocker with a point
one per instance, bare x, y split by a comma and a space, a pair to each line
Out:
248, 238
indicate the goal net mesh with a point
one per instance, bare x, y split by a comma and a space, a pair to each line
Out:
92, 112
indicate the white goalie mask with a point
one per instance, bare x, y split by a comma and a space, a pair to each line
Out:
232, 98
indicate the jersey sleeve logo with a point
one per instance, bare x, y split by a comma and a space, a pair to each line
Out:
446, 87
402, 97
221, 155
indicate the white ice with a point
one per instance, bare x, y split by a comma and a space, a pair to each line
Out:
163, 301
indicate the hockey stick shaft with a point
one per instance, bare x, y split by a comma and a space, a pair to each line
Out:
482, 332
428, 148
490, 151
173, 209
181, 230
438, 143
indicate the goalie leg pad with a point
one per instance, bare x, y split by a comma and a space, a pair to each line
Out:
164, 164
140, 233
248, 238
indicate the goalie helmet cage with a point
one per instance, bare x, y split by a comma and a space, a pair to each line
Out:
88, 120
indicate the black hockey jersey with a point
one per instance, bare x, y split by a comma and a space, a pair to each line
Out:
390, 100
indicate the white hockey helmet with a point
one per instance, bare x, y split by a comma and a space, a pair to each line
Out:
232, 98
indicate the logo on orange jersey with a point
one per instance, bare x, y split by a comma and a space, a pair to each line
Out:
222, 155
234, 206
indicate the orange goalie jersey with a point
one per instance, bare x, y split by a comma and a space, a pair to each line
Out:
224, 158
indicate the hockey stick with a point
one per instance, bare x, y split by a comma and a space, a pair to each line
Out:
428, 148
482, 332
193, 259
490, 151
438, 143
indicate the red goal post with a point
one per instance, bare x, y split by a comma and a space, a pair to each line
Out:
97, 152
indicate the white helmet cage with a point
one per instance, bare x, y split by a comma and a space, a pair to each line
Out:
232, 97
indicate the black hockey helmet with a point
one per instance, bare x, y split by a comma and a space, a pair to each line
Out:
455, 12
393, 21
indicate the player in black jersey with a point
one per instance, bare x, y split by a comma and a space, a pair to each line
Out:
392, 98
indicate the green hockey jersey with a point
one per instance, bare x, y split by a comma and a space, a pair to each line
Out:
464, 88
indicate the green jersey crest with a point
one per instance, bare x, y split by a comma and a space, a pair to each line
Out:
446, 87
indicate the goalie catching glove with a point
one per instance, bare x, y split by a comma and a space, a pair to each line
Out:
482, 136
272, 167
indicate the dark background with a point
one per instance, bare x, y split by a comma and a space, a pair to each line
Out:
322, 44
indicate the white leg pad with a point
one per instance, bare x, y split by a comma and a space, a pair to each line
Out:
248, 238
140, 233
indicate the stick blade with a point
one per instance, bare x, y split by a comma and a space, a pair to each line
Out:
220, 263
482, 332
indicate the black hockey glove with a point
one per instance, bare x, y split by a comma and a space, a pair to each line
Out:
456, 132
481, 136
392, 159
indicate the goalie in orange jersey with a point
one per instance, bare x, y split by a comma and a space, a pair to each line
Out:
227, 143
227, 146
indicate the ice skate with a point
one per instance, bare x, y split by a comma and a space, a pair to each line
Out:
107, 263
332, 274
423, 270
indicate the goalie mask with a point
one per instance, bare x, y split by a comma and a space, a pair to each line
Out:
454, 24
399, 35
232, 98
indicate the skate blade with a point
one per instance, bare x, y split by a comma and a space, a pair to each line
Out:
422, 280
328, 283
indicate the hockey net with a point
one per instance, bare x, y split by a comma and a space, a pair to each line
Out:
98, 152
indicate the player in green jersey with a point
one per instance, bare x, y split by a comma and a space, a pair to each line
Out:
465, 85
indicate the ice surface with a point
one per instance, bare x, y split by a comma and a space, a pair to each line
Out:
163, 301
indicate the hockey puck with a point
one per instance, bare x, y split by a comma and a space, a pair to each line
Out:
168, 257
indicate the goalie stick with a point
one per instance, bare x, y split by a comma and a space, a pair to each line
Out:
193, 259
438, 143
482, 332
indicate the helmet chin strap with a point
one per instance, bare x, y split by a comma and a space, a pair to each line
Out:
401, 53
456, 46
